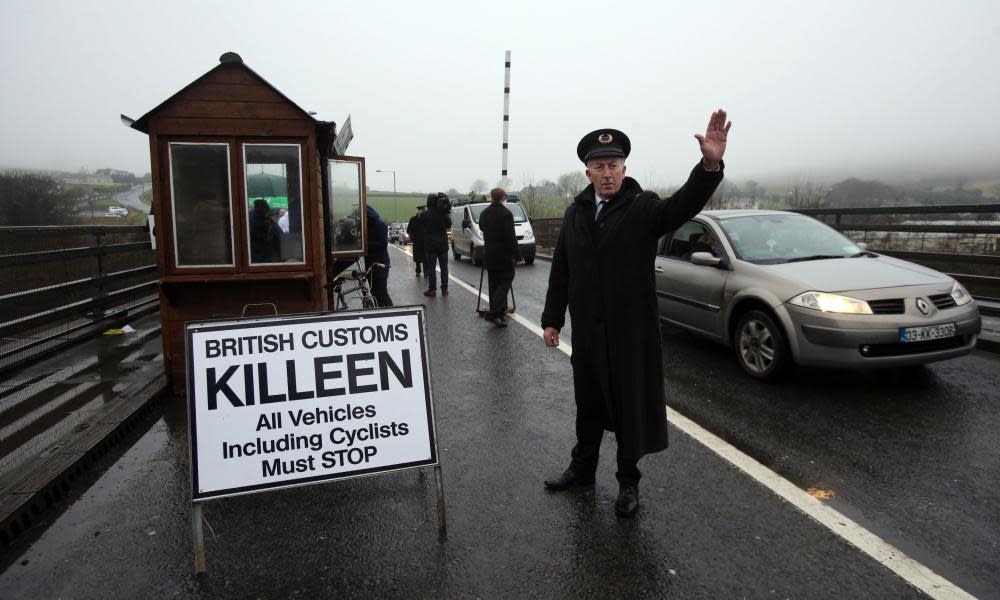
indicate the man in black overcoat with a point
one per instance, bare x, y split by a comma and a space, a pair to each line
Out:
437, 222
497, 223
602, 269
417, 234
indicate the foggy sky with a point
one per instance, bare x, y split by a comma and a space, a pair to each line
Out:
874, 88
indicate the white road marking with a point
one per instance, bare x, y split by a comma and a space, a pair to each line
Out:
882, 551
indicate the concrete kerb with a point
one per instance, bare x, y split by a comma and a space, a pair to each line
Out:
989, 339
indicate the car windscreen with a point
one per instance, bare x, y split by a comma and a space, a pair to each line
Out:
515, 209
781, 238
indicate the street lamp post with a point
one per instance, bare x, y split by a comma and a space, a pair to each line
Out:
395, 205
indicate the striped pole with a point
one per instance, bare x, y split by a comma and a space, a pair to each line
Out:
506, 111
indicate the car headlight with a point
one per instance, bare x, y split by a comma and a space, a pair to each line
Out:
960, 295
831, 303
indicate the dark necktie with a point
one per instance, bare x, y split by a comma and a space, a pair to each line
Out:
600, 207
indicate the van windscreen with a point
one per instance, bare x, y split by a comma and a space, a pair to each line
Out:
515, 209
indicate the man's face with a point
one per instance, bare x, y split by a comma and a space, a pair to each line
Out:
606, 174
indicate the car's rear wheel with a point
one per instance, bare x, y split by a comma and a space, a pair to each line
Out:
760, 345
529, 260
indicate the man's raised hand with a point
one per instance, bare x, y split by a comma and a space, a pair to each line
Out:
713, 143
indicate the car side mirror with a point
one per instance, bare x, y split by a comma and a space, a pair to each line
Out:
705, 259
466, 224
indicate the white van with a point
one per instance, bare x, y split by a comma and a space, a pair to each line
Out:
119, 210
467, 237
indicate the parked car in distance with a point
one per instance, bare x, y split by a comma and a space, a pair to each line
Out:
467, 237
782, 288
398, 235
114, 215
120, 210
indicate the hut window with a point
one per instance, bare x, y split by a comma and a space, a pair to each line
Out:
345, 186
274, 203
201, 203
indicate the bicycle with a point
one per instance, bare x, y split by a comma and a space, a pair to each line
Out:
359, 278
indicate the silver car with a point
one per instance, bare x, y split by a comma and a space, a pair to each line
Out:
784, 288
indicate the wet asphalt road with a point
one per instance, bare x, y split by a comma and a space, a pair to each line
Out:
130, 198
910, 455
913, 454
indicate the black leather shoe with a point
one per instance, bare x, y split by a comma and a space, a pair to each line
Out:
568, 479
628, 501
496, 321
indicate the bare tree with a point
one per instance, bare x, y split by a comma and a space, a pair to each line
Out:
478, 186
530, 198
571, 183
30, 199
993, 192
753, 190
803, 193
723, 196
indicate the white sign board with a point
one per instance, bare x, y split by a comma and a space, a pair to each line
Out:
284, 401
344, 137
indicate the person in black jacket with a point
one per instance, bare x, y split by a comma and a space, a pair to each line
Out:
417, 234
497, 223
602, 269
265, 235
437, 222
378, 252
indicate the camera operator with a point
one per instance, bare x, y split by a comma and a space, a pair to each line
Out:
437, 222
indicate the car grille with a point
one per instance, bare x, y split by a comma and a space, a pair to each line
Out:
943, 301
892, 306
875, 350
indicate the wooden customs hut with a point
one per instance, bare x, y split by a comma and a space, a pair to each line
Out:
251, 205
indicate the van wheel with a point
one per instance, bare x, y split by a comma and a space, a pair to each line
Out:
476, 259
529, 260
454, 252
760, 345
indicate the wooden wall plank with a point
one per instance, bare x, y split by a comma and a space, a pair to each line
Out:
234, 92
231, 110
232, 127
233, 74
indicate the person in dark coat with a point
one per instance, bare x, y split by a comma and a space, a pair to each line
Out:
378, 252
265, 235
501, 253
417, 234
602, 269
437, 222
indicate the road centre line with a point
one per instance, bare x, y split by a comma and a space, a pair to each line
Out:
882, 551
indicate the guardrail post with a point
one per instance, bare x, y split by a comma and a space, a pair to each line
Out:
100, 292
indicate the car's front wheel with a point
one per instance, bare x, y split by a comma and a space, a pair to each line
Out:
454, 252
760, 345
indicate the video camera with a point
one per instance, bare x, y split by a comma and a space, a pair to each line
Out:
438, 203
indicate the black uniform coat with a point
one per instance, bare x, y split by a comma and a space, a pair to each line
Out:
604, 272
416, 230
497, 223
436, 226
